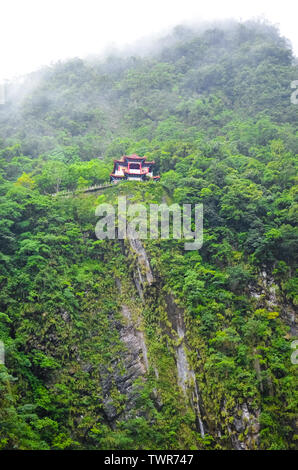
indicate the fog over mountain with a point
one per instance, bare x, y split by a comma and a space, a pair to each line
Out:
114, 343
35, 34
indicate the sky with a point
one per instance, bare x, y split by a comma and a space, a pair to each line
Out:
34, 33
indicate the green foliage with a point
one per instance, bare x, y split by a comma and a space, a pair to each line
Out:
213, 110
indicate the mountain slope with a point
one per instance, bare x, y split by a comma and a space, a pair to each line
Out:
114, 344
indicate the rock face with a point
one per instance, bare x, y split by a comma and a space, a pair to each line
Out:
267, 294
135, 364
246, 422
142, 273
243, 425
186, 376
135, 341
135, 356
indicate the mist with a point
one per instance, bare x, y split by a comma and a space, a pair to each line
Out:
35, 34
114, 59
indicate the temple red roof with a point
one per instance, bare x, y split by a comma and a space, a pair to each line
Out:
125, 168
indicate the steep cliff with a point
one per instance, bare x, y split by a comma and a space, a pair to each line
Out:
139, 343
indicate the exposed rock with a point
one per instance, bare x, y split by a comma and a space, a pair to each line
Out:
186, 376
244, 430
135, 341
143, 273
87, 367
268, 295
135, 362
65, 316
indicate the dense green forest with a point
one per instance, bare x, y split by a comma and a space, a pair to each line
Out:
191, 350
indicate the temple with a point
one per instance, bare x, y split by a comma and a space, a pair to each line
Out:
132, 167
